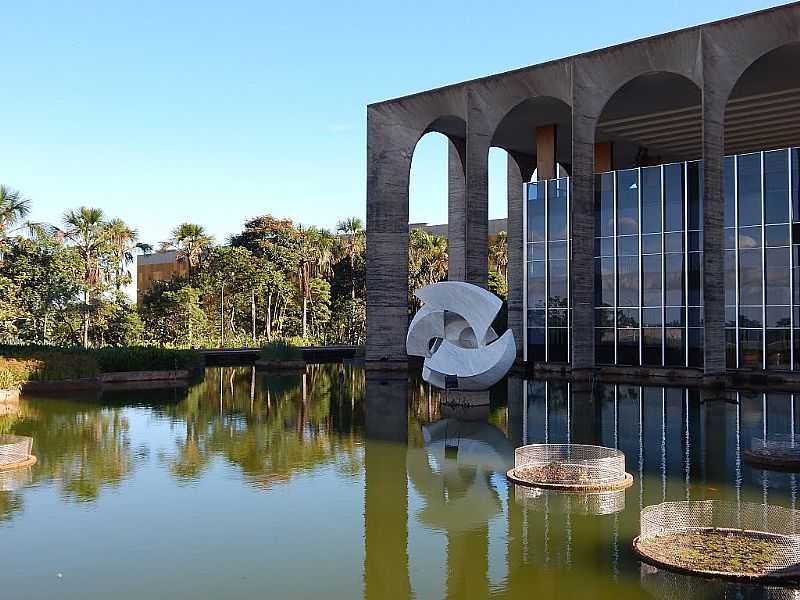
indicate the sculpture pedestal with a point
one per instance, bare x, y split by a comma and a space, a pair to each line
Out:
465, 398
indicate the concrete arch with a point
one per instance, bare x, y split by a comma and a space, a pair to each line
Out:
761, 107
652, 118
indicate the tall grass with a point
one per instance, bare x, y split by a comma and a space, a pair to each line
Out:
281, 351
49, 363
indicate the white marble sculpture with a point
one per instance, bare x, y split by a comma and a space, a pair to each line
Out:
453, 332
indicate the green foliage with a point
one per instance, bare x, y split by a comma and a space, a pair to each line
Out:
280, 351
50, 363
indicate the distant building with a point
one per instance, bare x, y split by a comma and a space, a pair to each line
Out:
495, 227
159, 266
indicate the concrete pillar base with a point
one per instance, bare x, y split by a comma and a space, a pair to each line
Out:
386, 365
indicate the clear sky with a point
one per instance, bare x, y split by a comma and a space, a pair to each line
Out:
162, 112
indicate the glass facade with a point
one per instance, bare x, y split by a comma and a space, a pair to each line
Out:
649, 265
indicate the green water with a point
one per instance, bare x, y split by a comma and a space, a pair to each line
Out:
332, 485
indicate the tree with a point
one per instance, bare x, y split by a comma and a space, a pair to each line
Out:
427, 256
13, 208
192, 241
86, 228
354, 243
121, 240
498, 254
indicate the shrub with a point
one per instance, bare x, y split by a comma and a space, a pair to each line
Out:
281, 351
146, 358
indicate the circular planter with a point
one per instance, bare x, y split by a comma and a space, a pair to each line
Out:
713, 538
570, 467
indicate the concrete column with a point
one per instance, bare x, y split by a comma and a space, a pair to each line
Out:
713, 114
389, 149
582, 223
519, 169
477, 207
456, 210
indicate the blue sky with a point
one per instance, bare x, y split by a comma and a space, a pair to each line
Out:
162, 112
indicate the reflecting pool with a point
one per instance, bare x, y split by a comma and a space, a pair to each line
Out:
336, 484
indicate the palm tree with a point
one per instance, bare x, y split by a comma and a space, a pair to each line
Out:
192, 241
87, 229
353, 243
427, 259
120, 243
13, 208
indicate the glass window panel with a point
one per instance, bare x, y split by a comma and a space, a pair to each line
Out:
651, 280
673, 346
730, 316
604, 346
627, 202
604, 282
730, 348
628, 275
558, 345
729, 191
695, 279
778, 316
536, 212
674, 316
694, 185
536, 251
695, 241
628, 245
695, 317
730, 277
557, 209
797, 349
776, 186
777, 275
651, 199
673, 279
695, 347
750, 277
604, 246
651, 347
673, 197
628, 318
604, 204
558, 250
777, 235
673, 242
749, 237
750, 316
628, 347
651, 243
558, 284
536, 344
536, 318
749, 180
750, 348
557, 318
651, 317
604, 317
795, 184
536, 287
730, 238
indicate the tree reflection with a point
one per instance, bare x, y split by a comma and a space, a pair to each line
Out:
80, 445
271, 426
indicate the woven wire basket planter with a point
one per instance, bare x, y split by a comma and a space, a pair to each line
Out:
669, 585
722, 539
15, 452
574, 467
779, 451
570, 503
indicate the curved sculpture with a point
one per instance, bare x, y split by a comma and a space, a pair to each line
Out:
453, 332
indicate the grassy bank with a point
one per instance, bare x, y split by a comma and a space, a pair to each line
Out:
19, 364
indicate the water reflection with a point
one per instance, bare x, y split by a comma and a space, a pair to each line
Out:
432, 514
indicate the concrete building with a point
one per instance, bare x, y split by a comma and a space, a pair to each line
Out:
158, 266
628, 267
